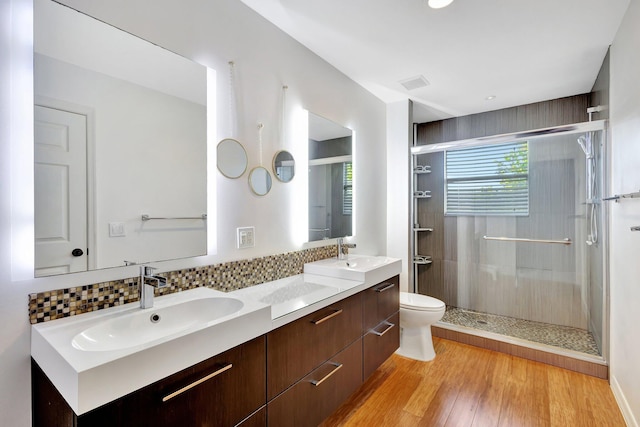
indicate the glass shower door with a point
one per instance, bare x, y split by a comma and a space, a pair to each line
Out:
519, 253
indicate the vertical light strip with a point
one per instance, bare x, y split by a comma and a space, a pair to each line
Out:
212, 188
354, 182
299, 200
20, 71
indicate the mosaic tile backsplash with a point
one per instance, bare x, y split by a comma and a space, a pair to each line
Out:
228, 276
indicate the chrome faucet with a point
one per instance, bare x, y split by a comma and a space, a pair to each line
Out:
343, 248
146, 285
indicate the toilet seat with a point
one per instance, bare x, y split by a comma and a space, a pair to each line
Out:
420, 302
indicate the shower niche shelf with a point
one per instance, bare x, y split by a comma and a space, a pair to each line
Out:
422, 259
417, 193
419, 229
421, 169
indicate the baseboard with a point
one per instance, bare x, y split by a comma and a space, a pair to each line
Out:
625, 408
594, 369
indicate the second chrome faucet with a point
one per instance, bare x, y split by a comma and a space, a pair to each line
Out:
343, 248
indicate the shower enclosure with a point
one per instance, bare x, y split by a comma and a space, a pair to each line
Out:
508, 232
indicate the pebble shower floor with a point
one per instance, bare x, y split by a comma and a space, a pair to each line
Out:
557, 336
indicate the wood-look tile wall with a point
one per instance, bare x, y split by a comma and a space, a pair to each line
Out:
529, 281
557, 112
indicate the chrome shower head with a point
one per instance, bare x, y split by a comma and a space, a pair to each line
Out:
586, 147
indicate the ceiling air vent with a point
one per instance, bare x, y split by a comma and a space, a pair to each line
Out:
414, 82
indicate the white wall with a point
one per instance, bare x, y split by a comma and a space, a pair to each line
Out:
399, 139
215, 33
625, 245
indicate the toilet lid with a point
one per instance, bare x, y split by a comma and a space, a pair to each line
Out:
420, 302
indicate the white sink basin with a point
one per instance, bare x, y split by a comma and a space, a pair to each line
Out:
123, 348
144, 326
295, 293
366, 268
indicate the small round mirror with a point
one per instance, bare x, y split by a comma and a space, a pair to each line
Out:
232, 158
260, 181
284, 166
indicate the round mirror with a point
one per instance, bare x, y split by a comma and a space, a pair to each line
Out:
232, 158
284, 166
260, 181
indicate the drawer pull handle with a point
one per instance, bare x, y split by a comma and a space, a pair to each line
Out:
389, 327
338, 366
327, 317
385, 288
195, 383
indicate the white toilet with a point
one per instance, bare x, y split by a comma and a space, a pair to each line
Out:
417, 314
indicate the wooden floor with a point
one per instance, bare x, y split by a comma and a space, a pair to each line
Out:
470, 386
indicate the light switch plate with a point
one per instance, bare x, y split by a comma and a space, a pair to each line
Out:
116, 229
246, 237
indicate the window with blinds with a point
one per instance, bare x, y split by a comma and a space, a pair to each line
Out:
347, 185
488, 180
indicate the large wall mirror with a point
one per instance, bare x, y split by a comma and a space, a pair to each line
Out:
330, 179
120, 132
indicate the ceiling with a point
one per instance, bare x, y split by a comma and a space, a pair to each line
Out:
519, 51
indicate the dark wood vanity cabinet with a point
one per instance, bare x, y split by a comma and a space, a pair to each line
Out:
220, 391
296, 348
381, 305
296, 375
312, 369
312, 399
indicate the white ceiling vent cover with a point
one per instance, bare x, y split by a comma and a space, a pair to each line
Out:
414, 82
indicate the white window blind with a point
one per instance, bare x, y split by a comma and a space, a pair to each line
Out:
488, 180
347, 193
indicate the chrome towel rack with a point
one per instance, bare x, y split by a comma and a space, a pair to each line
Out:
146, 217
565, 241
617, 197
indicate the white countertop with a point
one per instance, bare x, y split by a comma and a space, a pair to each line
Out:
89, 379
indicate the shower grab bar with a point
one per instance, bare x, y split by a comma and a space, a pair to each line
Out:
617, 197
146, 217
565, 241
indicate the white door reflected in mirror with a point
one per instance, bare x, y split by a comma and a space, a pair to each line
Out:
60, 170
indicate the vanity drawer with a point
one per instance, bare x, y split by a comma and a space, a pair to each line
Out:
300, 346
380, 343
257, 419
320, 393
220, 391
380, 302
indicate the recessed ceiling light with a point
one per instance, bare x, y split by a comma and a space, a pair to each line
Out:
438, 4
490, 97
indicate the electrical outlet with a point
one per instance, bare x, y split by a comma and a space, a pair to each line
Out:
116, 229
246, 237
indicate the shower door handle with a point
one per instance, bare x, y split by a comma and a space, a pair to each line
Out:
565, 241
